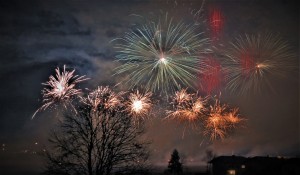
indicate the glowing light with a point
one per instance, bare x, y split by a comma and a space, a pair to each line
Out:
212, 76
231, 172
162, 56
194, 111
103, 97
197, 106
216, 22
252, 60
163, 60
187, 108
182, 96
220, 120
60, 88
137, 106
258, 66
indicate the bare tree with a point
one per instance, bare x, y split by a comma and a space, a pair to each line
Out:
96, 141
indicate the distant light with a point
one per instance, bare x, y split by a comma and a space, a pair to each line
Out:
243, 166
258, 66
137, 105
60, 87
36, 143
230, 172
261, 65
163, 60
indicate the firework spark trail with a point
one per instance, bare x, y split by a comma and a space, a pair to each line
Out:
220, 120
232, 118
212, 76
60, 89
139, 105
216, 24
103, 97
215, 122
195, 112
252, 60
187, 108
161, 55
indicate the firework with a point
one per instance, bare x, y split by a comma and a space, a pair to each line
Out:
253, 60
60, 88
216, 23
139, 105
220, 120
212, 76
182, 97
215, 124
161, 55
103, 97
187, 108
232, 118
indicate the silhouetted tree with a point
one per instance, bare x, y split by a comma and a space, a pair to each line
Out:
95, 141
175, 166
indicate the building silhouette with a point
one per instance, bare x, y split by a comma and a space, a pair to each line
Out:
237, 165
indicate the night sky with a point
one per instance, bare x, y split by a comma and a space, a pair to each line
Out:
37, 36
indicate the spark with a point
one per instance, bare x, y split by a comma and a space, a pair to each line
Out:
60, 88
182, 96
216, 21
220, 120
233, 118
187, 108
163, 60
252, 60
195, 112
161, 55
212, 76
139, 105
104, 98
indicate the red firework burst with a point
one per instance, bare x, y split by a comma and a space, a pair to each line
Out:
216, 22
211, 78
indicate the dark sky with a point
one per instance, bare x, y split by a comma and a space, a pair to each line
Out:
37, 36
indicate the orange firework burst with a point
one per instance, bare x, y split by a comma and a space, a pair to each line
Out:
139, 105
220, 119
187, 107
182, 96
215, 124
60, 88
232, 118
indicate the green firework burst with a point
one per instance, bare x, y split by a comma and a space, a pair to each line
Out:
162, 56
